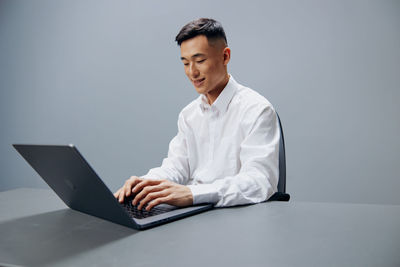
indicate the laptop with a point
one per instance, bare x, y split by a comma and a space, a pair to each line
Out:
70, 176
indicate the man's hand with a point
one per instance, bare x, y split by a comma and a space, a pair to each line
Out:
155, 192
126, 189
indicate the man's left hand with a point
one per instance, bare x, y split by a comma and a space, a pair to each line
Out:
155, 192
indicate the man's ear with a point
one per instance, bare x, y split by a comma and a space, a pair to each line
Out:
227, 55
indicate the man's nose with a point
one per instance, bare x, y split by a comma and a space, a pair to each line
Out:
193, 71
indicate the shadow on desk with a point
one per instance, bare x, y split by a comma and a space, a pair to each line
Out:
49, 237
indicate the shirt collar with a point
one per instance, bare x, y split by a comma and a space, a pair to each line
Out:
224, 98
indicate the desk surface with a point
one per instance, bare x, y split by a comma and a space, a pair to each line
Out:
37, 229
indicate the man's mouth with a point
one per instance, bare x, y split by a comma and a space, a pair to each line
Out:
198, 82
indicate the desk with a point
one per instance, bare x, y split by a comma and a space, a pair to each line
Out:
37, 229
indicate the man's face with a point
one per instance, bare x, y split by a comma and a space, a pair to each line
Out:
205, 64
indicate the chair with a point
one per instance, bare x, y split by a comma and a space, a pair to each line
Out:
281, 195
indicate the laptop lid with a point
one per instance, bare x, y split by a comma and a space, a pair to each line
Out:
70, 176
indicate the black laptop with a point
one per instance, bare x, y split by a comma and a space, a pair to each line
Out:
70, 176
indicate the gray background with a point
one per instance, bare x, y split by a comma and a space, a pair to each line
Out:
106, 76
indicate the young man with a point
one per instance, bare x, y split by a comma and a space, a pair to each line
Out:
227, 146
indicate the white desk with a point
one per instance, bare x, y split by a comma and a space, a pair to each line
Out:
37, 229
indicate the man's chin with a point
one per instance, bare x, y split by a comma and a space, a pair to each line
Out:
200, 90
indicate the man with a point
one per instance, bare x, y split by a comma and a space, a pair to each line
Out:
226, 149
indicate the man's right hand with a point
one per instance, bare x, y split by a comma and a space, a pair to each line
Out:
126, 189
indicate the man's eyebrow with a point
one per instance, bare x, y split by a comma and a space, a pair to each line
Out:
194, 56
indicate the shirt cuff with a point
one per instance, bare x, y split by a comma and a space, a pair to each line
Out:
204, 193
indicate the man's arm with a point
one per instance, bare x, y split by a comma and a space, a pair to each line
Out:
257, 179
164, 184
175, 167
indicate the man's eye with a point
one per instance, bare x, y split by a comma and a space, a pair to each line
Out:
201, 61
186, 64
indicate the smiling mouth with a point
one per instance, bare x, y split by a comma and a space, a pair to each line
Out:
198, 82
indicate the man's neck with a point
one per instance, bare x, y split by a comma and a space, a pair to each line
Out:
213, 95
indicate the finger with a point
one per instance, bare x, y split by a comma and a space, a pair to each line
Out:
139, 189
145, 191
121, 196
145, 182
127, 189
158, 201
150, 197
131, 182
116, 194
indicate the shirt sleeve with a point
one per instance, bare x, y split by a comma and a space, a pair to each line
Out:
176, 166
257, 179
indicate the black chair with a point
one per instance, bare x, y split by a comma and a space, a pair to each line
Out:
281, 195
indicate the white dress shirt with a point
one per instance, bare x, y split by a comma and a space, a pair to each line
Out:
226, 153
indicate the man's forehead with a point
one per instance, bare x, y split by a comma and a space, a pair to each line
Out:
196, 47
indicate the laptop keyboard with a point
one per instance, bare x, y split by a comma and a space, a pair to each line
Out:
143, 213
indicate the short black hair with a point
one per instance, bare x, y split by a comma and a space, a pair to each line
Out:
211, 28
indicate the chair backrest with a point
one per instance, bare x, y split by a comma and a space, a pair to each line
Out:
282, 160
281, 195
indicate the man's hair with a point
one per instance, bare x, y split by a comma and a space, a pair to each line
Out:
211, 28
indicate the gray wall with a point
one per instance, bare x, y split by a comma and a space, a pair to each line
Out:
106, 76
